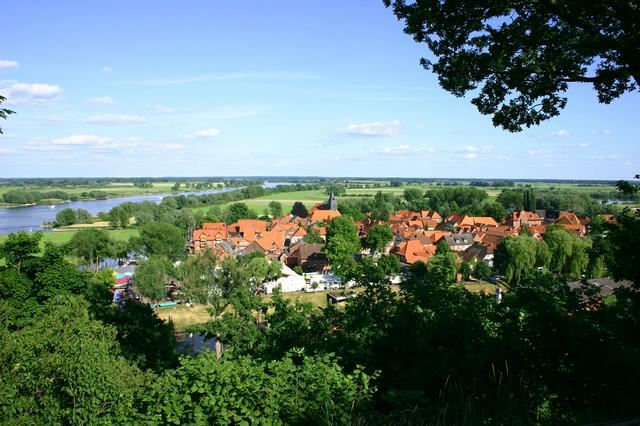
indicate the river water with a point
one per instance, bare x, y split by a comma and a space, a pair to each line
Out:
31, 218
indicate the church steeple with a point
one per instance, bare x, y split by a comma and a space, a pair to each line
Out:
332, 203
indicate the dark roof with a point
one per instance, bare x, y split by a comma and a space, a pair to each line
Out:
306, 250
606, 285
459, 239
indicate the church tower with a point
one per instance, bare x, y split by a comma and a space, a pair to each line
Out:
332, 203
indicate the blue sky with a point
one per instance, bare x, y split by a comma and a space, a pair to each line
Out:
202, 88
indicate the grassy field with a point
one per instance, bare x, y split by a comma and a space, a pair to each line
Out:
62, 237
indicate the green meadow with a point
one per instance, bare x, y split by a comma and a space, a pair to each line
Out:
63, 237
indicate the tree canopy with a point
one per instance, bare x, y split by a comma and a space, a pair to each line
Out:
519, 57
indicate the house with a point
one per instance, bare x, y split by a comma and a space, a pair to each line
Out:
431, 215
477, 253
459, 242
572, 223
247, 228
308, 256
519, 218
412, 251
204, 239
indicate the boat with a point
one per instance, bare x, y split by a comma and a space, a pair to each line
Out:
52, 206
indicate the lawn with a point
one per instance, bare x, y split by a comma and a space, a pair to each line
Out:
63, 237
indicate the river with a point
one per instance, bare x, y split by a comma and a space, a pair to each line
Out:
32, 218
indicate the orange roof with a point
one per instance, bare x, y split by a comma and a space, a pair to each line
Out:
430, 214
210, 235
569, 218
271, 240
324, 215
436, 235
414, 251
214, 226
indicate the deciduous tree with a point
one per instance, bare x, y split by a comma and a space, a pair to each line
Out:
518, 58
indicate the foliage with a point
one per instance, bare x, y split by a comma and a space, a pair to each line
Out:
91, 245
342, 244
238, 211
299, 210
163, 239
517, 257
378, 237
4, 112
518, 58
20, 247
275, 208
65, 368
151, 277
245, 391
312, 237
144, 338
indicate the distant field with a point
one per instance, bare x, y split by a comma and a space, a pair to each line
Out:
113, 189
62, 237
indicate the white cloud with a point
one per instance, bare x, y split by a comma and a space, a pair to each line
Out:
171, 146
44, 145
541, 153
105, 69
82, 140
31, 93
376, 128
419, 126
100, 100
604, 157
160, 108
4, 151
577, 145
471, 155
561, 133
116, 118
207, 133
6, 65
404, 149
606, 132
52, 119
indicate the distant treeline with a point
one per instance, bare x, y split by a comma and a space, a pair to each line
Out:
142, 182
177, 210
20, 196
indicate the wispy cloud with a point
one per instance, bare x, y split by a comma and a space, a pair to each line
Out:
207, 133
171, 146
374, 129
164, 109
7, 65
605, 157
539, 153
247, 75
52, 119
5, 151
31, 93
100, 100
561, 133
577, 145
105, 69
404, 150
116, 118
